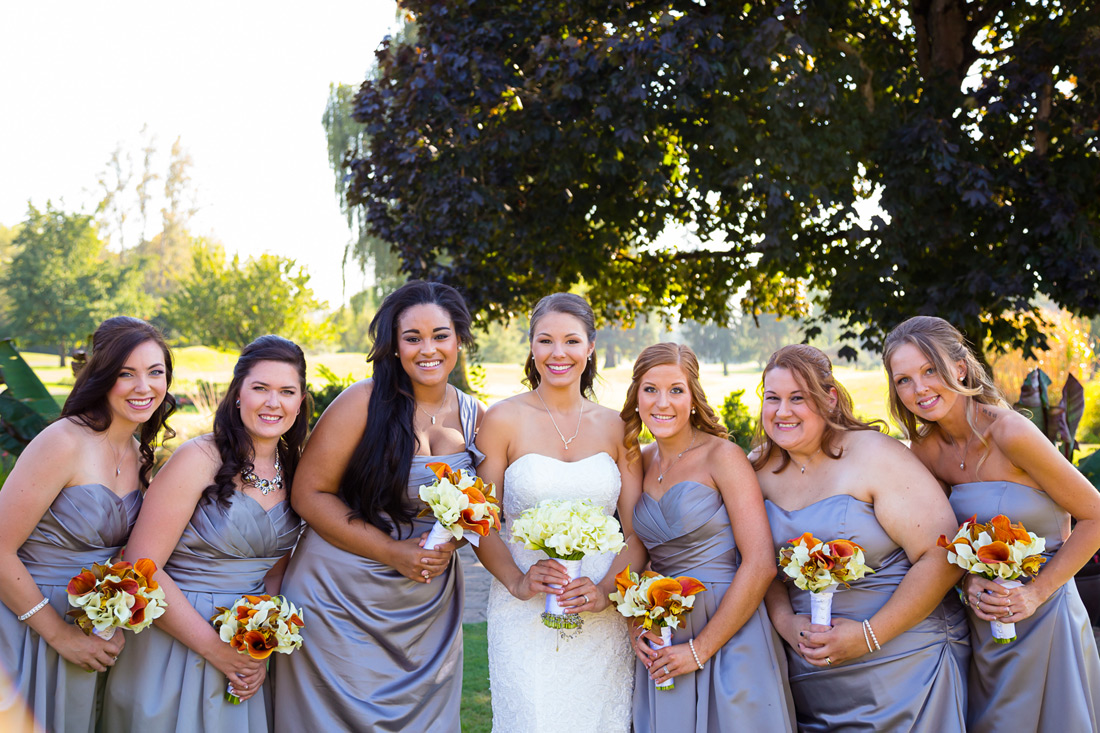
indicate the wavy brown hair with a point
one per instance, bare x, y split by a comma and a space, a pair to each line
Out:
813, 371
944, 346
571, 305
681, 355
86, 405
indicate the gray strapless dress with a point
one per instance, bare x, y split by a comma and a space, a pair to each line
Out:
917, 681
86, 524
1049, 678
743, 687
159, 683
380, 652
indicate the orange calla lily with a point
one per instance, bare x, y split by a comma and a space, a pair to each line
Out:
994, 552
844, 548
661, 591
257, 645
82, 583
137, 611
806, 539
440, 469
623, 581
296, 621
1006, 531
257, 599
690, 586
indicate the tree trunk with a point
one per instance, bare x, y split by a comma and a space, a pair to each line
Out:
458, 377
61, 352
610, 357
725, 368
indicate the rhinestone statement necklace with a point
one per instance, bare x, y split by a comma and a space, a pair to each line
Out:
266, 486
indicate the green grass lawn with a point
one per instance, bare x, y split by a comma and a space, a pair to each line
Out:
477, 713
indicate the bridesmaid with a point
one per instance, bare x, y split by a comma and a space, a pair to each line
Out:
71, 501
896, 654
701, 514
997, 462
216, 520
382, 644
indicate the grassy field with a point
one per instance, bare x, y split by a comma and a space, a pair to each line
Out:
477, 712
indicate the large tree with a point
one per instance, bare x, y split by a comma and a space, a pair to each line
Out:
60, 282
518, 148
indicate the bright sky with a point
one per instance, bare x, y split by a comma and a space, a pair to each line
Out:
244, 84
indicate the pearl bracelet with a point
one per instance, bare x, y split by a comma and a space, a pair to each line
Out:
867, 625
691, 645
36, 609
866, 638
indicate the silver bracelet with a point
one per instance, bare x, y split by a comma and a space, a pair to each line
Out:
867, 638
691, 645
873, 637
36, 609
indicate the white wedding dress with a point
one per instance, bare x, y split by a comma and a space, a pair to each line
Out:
538, 680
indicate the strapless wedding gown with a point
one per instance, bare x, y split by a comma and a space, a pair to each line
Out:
538, 680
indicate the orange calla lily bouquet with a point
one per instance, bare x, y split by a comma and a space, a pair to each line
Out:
258, 626
566, 530
820, 567
116, 596
659, 601
462, 504
999, 551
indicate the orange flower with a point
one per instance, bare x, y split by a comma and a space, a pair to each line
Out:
148, 569
994, 552
662, 590
806, 539
1030, 565
1004, 531
82, 583
439, 469
844, 548
137, 611
623, 581
258, 645
690, 586
257, 599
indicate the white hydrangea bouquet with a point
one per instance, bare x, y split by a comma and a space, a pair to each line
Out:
566, 530
821, 567
659, 601
999, 551
462, 504
116, 596
258, 626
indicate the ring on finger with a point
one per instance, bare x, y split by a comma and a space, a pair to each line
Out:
829, 661
665, 669
585, 596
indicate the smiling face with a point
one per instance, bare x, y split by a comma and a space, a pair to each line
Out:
788, 414
427, 344
664, 400
141, 384
560, 348
271, 397
919, 385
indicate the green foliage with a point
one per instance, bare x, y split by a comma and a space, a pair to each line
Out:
499, 343
740, 423
227, 305
59, 284
26, 407
323, 397
520, 148
477, 709
1058, 422
1090, 419
1090, 467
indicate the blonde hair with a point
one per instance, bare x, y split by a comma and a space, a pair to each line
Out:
681, 355
814, 373
943, 345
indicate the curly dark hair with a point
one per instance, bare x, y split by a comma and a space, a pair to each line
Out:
112, 344
230, 435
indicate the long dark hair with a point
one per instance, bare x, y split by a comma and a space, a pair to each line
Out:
230, 435
112, 344
571, 305
375, 483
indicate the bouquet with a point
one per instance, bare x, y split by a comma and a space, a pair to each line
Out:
820, 567
658, 600
258, 626
999, 551
119, 595
461, 504
566, 531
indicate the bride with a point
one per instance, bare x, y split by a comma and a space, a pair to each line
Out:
553, 442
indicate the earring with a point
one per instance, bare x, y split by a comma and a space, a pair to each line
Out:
636, 410
693, 411
395, 353
238, 403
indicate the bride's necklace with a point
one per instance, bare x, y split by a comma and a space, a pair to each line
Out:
266, 486
661, 475
437, 410
555, 422
802, 466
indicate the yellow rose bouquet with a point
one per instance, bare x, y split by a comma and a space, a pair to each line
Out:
820, 568
659, 601
999, 551
258, 626
566, 530
120, 595
463, 506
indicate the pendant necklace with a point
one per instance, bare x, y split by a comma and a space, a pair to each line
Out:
802, 466
266, 486
965, 450
437, 410
118, 464
555, 422
661, 475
